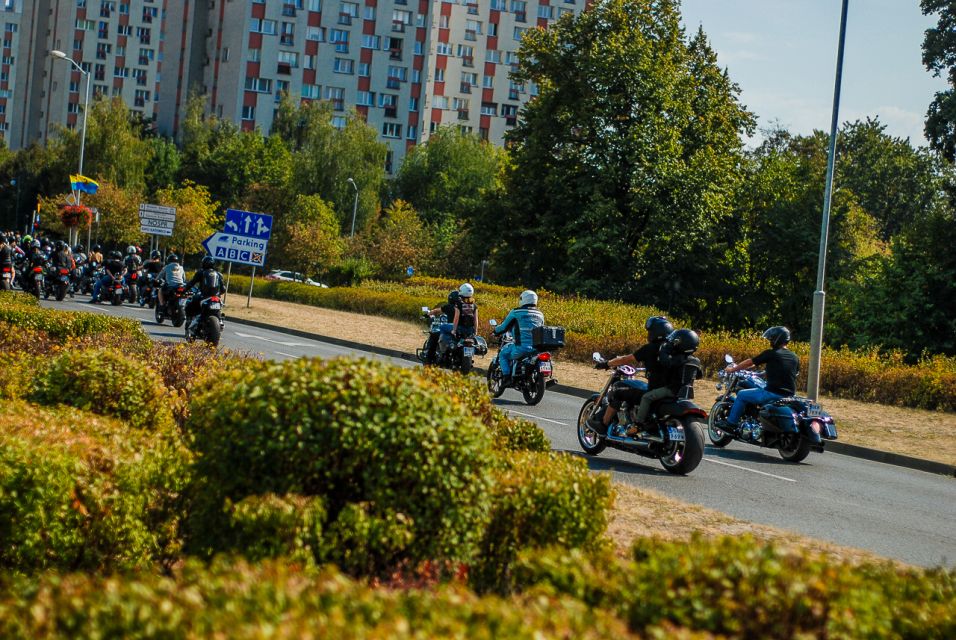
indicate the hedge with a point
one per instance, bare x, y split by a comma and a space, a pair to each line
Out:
616, 328
107, 383
739, 587
79, 491
350, 431
283, 601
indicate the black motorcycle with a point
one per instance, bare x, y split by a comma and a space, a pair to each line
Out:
175, 307
33, 281
147, 291
210, 324
113, 289
794, 426
532, 373
672, 434
461, 356
133, 278
58, 283
6, 278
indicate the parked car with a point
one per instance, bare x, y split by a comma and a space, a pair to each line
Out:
293, 276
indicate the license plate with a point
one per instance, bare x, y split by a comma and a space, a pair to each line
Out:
675, 434
814, 410
545, 368
215, 305
6, 276
469, 351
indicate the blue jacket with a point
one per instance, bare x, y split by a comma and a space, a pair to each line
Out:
524, 319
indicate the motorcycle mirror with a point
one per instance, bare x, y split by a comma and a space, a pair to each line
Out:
597, 357
425, 309
729, 359
493, 322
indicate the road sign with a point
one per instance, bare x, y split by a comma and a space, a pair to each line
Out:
156, 219
248, 224
229, 247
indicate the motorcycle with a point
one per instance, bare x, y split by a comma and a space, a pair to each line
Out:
132, 285
175, 307
58, 284
147, 291
794, 426
462, 354
210, 324
35, 282
673, 433
531, 373
6, 278
113, 289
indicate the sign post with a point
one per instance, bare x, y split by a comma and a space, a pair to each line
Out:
244, 240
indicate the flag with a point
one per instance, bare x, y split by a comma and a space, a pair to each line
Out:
83, 184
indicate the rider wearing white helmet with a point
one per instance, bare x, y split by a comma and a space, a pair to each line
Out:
520, 322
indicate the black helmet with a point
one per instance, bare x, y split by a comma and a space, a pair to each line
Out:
658, 328
683, 341
60, 245
454, 296
116, 255
778, 336
171, 258
97, 248
79, 249
155, 254
208, 262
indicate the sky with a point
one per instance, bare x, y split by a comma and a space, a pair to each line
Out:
782, 54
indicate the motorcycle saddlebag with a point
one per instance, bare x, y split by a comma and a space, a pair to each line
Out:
547, 338
779, 417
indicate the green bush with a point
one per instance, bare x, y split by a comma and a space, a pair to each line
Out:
107, 383
269, 526
79, 491
351, 432
541, 500
20, 372
281, 601
366, 540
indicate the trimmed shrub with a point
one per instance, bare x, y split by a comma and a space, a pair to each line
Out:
367, 541
541, 500
351, 431
284, 602
269, 526
78, 491
20, 372
107, 383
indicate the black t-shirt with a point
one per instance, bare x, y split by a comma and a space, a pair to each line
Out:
467, 313
783, 366
449, 310
6, 255
153, 266
648, 355
115, 267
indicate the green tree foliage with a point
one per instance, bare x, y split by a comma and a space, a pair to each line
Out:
396, 240
196, 215
164, 165
626, 165
939, 56
310, 241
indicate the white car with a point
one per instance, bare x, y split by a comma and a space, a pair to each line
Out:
293, 276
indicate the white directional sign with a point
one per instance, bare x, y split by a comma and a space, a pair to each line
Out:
156, 219
239, 249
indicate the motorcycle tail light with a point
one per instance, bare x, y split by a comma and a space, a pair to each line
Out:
37, 269
63, 272
544, 357
180, 290
133, 276
214, 299
7, 270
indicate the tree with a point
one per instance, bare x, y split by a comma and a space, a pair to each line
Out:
162, 171
196, 215
939, 56
396, 240
118, 209
310, 243
627, 163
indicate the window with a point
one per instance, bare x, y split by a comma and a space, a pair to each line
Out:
371, 42
545, 11
412, 132
492, 28
267, 27
489, 109
460, 104
364, 69
85, 25
120, 72
248, 113
439, 75
416, 76
469, 78
499, 5
473, 25
443, 22
400, 73
350, 9
440, 102
519, 31
465, 51
391, 130
387, 100
343, 65
443, 49
488, 82
311, 91
308, 62
287, 39
315, 33
366, 98
413, 104
290, 58
260, 85
255, 55
368, 12
339, 122
340, 38
140, 98
493, 55
336, 95
419, 47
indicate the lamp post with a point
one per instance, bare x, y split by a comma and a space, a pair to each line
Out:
354, 206
86, 110
819, 296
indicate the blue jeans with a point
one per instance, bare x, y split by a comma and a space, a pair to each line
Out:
509, 354
749, 396
99, 285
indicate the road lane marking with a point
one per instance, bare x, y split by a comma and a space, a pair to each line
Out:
289, 355
737, 466
283, 343
529, 415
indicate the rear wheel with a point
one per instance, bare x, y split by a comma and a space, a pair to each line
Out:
495, 386
60, 291
591, 443
466, 365
718, 437
534, 393
212, 330
794, 447
117, 298
133, 293
5, 285
683, 457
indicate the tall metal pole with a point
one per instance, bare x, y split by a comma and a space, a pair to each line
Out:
354, 206
819, 296
252, 281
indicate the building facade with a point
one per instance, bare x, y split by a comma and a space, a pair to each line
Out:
406, 66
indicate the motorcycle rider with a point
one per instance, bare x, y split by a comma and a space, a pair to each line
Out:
658, 328
113, 269
782, 366
151, 269
96, 255
61, 257
132, 262
449, 309
6, 253
521, 322
173, 275
464, 321
210, 283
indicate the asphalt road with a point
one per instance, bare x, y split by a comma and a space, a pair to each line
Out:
895, 512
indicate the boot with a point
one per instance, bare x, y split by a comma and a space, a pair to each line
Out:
596, 422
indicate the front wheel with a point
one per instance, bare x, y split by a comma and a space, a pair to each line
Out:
535, 393
212, 330
718, 437
591, 443
466, 365
158, 314
495, 385
681, 458
794, 447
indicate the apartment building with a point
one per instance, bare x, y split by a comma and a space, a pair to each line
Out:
406, 66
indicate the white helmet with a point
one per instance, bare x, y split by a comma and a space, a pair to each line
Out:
131, 250
466, 290
528, 297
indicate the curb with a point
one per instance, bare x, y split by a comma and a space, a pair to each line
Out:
852, 450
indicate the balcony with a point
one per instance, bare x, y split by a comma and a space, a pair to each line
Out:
471, 34
521, 16
338, 104
287, 41
463, 114
472, 9
511, 121
395, 54
345, 18
288, 10
284, 68
398, 26
391, 112
468, 61
465, 87
393, 83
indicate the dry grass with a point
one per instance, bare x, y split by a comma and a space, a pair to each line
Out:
913, 432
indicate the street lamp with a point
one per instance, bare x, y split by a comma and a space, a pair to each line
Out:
819, 296
354, 205
86, 110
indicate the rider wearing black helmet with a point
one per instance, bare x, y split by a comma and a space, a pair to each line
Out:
658, 328
114, 269
210, 283
782, 367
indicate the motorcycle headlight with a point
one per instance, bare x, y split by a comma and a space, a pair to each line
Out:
720, 386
